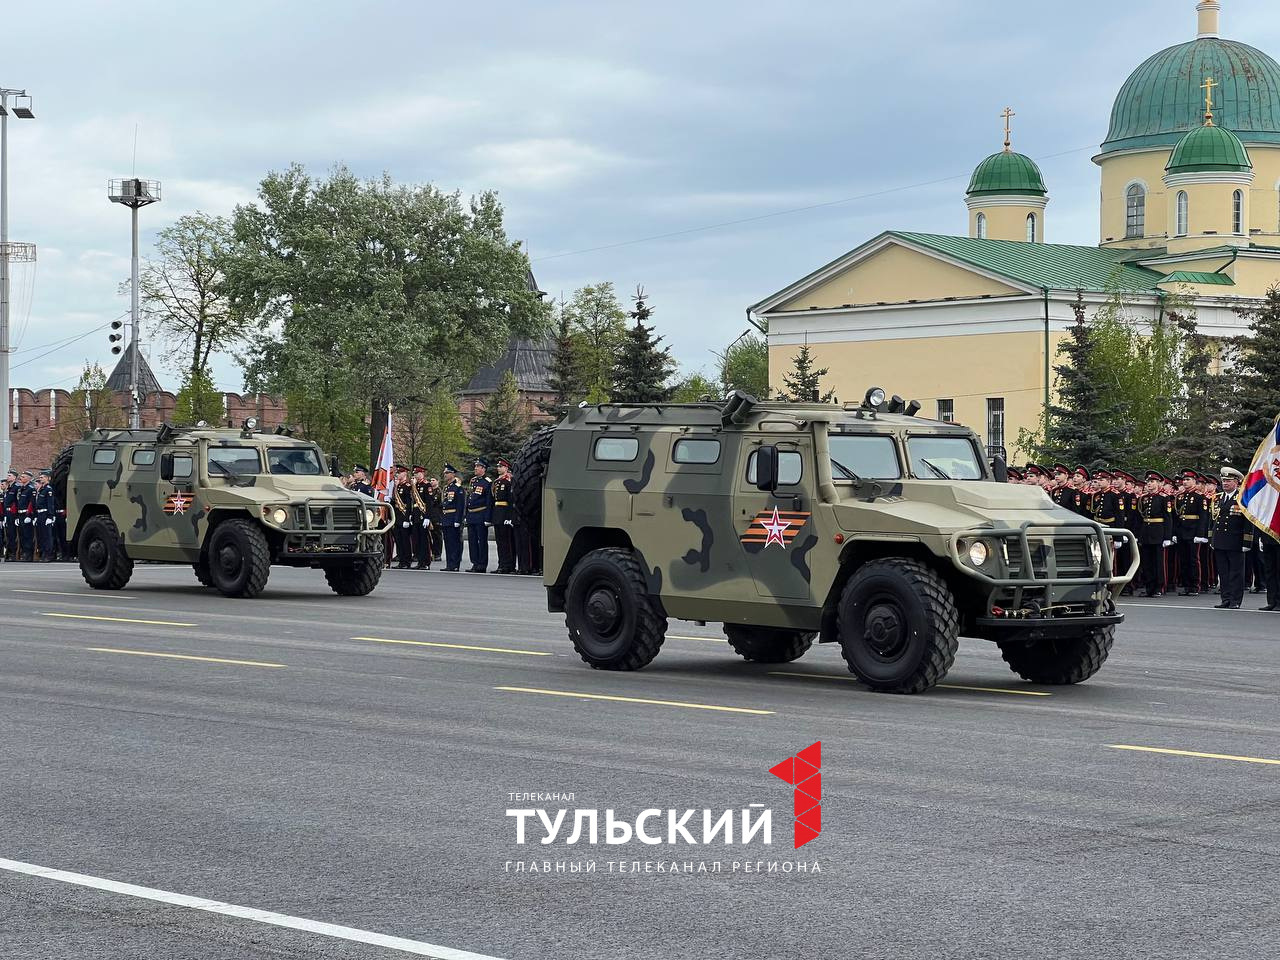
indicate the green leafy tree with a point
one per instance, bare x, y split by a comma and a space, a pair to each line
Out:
1257, 374
804, 383
643, 365
443, 438
600, 326
363, 290
183, 298
744, 365
694, 388
91, 406
499, 428
1085, 425
198, 399
564, 370
1199, 419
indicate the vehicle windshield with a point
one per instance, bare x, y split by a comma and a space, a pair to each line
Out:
234, 461
864, 457
297, 461
943, 458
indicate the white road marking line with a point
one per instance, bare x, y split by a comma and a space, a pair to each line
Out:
353, 934
88, 594
673, 636
1189, 606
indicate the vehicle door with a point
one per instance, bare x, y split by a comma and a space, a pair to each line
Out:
775, 530
177, 507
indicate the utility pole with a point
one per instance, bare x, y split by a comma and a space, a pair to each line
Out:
134, 193
9, 253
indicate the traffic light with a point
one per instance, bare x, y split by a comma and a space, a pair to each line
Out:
116, 336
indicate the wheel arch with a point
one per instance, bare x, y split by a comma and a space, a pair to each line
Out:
584, 541
87, 513
220, 515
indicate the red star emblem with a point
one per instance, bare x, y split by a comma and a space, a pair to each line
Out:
773, 528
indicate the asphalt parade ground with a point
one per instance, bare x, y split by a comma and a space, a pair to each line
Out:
304, 775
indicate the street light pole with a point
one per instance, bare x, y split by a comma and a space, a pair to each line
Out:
8, 253
134, 193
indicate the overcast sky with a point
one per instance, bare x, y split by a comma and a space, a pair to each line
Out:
599, 124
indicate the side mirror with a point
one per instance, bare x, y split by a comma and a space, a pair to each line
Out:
767, 468
1000, 469
166, 466
333, 466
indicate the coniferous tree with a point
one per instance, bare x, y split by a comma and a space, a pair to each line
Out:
599, 325
804, 383
1198, 438
499, 428
643, 366
564, 373
1257, 375
1085, 428
744, 365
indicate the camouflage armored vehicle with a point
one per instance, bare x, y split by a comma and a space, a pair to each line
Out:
861, 525
228, 502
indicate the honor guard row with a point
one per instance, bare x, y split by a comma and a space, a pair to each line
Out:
1190, 528
34, 522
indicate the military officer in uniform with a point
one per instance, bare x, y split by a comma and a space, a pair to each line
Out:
9, 516
25, 515
453, 504
1190, 529
45, 507
360, 481
435, 511
425, 516
479, 510
402, 503
1156, 514
1232, 539
504, 518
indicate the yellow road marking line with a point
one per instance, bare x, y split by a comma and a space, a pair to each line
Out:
456, 646
95, 594
182, 656
1194, 753
85, 616
672, 636
945, 686
655, 703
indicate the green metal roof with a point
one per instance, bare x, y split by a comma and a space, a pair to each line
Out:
1209, 148
1007, 173
1196, 276
1053, 265
1162, 99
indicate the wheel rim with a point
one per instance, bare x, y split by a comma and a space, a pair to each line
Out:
603, 611
96, 556
884, 629
230, 561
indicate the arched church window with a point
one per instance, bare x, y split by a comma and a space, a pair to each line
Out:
1181, 226
1135, 219
1031, 228
1237, 212
982, 226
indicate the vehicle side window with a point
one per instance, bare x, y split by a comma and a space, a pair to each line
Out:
104, 456
696, 450
872, 458
617, 449
143, 457
790, 468
182, 465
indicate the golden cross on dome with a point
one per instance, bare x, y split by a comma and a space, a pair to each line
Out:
1008, 115
1207, 87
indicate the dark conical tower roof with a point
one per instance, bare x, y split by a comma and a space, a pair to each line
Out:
119, 379
529, 360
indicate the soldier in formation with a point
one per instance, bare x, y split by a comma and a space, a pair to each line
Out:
34, 521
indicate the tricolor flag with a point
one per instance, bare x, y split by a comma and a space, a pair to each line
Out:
1260, 493
384, 469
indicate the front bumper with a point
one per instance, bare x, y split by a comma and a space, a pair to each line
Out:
325, 529
328, 546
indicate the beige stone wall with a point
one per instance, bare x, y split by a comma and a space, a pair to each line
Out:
1007, 222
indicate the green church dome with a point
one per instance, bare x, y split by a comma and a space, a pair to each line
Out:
1163, 99
1007, 173
1209, 149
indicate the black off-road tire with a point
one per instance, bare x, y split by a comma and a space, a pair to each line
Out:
528, 474
898, 626
238, 558
1062, 661
355, 579
59, 474
103, 562
613, 621
202, 573
768, 644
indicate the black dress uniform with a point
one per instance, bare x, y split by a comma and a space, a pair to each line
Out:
9, 517
1232, 539
1156, 514
401, 502
1190, 529
453, 503
362, 486
503, 519
425, 522
25, 504
479, 510
45, 506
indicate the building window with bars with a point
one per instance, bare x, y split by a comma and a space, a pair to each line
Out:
947, 411
995, 426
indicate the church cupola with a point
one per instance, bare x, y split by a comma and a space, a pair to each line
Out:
1007, 196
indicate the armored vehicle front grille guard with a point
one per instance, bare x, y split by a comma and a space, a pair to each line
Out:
1043, 553
322, 517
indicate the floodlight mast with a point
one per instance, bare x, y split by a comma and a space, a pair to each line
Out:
134, 193
9, 252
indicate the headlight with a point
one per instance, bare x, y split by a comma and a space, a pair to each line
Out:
874, 398
978, 553
370, 517
1095, 550
280, 515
